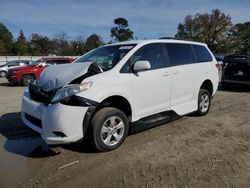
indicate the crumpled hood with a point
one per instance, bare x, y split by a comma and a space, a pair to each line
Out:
56, 76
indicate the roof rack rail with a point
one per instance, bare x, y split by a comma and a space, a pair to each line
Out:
177, 38
167, 38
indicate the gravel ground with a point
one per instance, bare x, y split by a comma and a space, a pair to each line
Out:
210, 151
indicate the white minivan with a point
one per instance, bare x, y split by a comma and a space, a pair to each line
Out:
120, 88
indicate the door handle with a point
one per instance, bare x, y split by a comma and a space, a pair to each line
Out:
165, 74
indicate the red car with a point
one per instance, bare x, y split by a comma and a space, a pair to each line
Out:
26, 75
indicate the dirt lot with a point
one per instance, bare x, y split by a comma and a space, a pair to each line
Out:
211, 151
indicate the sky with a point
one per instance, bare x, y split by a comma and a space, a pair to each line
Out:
147, 18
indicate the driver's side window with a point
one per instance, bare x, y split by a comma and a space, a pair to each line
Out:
153, 53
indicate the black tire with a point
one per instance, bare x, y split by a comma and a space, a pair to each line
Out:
28, 79
203, 96
98, 122
3, 74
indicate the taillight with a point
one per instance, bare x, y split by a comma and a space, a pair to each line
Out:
218, 66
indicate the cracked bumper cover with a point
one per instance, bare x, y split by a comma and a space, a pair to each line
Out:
54, 118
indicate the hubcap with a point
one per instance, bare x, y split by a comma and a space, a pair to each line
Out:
2, 74
204, 103
28, 80
112, 131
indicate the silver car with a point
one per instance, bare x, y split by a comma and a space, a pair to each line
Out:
12, 64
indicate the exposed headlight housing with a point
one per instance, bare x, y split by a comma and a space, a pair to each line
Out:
69, 91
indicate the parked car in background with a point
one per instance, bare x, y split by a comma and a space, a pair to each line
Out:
26, 75
236, 70
120, 88
13, 64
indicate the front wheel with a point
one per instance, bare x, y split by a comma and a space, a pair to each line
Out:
109, 128
28, 79
204, 101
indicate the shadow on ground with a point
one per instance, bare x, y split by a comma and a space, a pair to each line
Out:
7, 84
22, 140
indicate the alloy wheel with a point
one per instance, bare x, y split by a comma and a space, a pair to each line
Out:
112, 131
204, 103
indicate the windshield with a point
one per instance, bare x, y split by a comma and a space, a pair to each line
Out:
34, 63
107, 56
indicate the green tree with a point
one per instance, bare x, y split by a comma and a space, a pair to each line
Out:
213, 29
5, 40
93, 41
40, 45
78, 46
121, 32
21, 46
242, 33
60, 44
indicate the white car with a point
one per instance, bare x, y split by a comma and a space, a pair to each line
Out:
120, 88
12, 64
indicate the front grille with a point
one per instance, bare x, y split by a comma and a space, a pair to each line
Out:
34, 120
38, 94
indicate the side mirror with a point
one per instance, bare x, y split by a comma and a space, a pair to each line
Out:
141, 66
41, 65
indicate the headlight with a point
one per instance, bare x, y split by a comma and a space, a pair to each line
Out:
69, 91
15, 71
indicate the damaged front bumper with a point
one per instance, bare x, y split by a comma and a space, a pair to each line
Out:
57, 123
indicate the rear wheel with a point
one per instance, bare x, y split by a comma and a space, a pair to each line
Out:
109, 128
3, 74
28, 79
204, 101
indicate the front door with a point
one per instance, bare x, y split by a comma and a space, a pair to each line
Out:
151, 89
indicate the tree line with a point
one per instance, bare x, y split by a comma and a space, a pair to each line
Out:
215, 29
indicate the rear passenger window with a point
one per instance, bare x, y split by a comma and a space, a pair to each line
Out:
180, 54
61, 61
202, 54
152, 53
14, 63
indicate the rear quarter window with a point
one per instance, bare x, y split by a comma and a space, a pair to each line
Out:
14, 63
202, 54
180, 54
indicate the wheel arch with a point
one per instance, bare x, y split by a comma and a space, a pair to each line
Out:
208, 85
115, 101
28, 74
6, 72
119, 102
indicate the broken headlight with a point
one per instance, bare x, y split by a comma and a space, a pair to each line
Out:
69, 91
